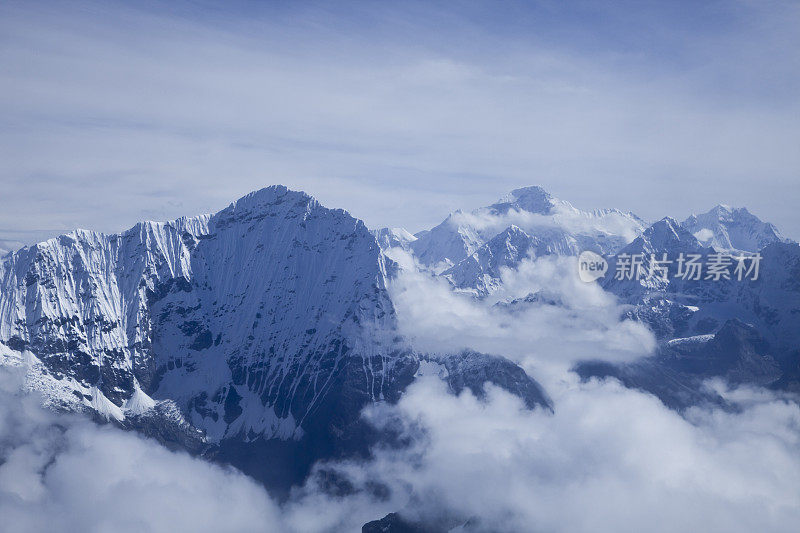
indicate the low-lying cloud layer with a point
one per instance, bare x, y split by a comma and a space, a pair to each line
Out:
572, 320
609, 459
64, 473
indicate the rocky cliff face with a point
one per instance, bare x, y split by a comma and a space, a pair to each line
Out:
256, 334
263, 303
80, 304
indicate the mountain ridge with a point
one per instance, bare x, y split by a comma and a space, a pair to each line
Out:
260, 331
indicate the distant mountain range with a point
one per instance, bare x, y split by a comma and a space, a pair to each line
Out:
255, 336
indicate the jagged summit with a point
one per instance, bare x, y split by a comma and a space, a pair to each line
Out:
732, 228
550, 225
662, 236
273, 195
724, 209
254, 203
533, 199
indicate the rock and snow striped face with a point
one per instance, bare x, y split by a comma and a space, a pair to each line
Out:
242, 317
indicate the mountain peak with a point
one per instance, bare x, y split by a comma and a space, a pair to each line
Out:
274, 194
666, 230
666, 235
666, 223
732, 228
533, 199
530, 190
724, 212
513, 229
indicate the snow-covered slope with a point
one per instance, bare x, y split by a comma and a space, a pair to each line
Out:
394, 237
268, 322
287, 298
481, 271
732, 228
469, 248
681, 312
262, 305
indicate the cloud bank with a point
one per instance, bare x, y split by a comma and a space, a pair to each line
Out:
569, 322
609, 459
64, 473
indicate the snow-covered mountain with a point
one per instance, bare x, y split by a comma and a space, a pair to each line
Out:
746, 331
256, 335
470, 251
730, 228
260, 304
394, 237
260, 331
676, 307
470, 248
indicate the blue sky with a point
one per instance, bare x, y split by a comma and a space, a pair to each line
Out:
399, 112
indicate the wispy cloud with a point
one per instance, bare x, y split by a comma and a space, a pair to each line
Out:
112, 113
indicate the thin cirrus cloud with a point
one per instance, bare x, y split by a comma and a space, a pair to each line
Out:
114, 113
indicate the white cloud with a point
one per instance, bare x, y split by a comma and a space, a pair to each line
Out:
64, 473
543, 338
609, 459
113, 114
704, 234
